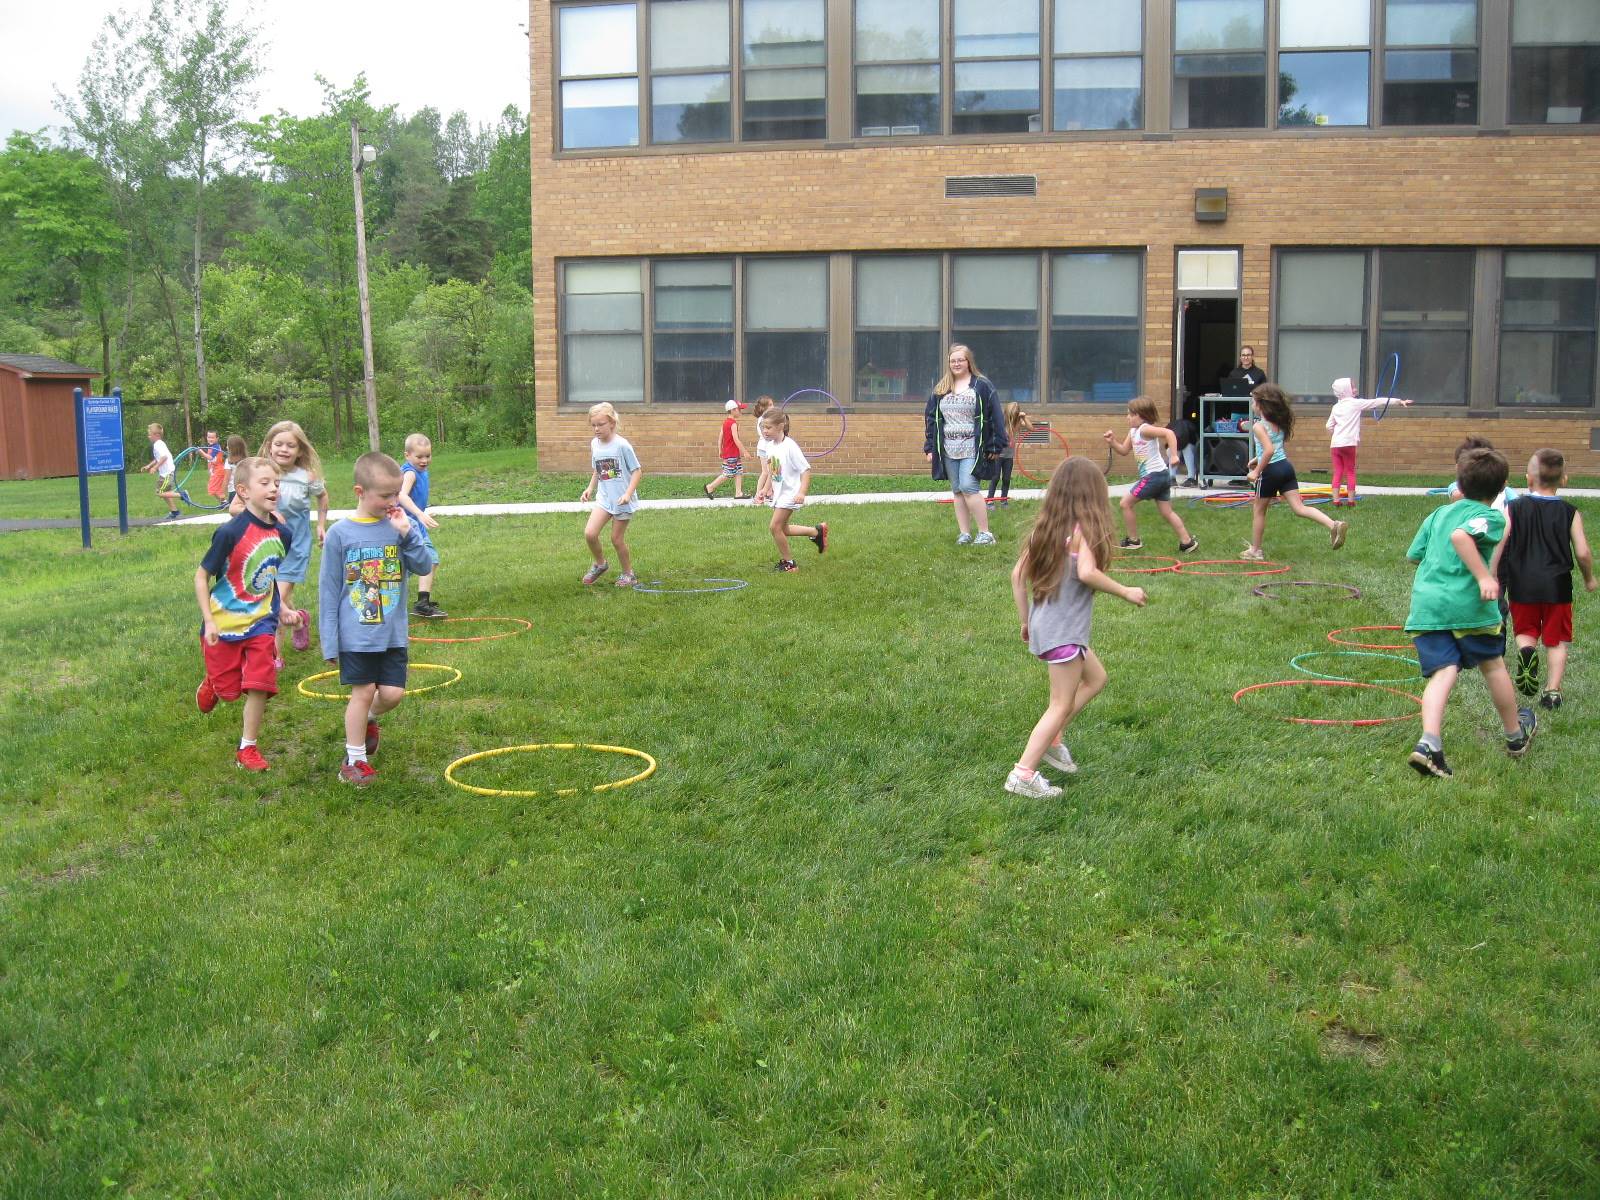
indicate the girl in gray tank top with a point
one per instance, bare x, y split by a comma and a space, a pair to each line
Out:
1061, 566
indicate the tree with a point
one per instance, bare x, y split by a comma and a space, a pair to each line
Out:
505, 200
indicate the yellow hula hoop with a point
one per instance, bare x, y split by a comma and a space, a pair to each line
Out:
305, 691
650, 769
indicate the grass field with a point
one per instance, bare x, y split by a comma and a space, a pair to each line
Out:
820, 952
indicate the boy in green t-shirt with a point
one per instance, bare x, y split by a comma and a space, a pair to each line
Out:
1455, 619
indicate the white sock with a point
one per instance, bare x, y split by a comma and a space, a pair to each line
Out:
355, 754
245, 743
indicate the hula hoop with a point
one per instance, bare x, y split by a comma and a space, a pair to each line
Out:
1172, 563
1387, 391
487, 637
843, 423
654, 588
1263, 566
193, 455
1295, 663
1353, 592
1335, 683
449, 772
305, 691
1066, 450
1441, 491
1339, 641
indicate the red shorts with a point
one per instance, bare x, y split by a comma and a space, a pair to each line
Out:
1549, 623
247, 666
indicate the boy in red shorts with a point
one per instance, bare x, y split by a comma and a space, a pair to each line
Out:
1536, 571
236, 586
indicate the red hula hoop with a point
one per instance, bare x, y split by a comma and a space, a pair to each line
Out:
1339, 641
1360, 721
487, 637
1172, 563
1066, 450
1265, 566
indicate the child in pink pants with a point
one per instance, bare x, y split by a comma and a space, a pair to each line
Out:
1345, 422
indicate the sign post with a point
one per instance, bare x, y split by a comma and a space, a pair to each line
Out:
99, 426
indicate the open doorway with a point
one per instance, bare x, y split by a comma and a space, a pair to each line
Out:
1208, 337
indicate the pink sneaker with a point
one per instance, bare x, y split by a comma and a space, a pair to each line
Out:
302, 632
627, 579
595, 572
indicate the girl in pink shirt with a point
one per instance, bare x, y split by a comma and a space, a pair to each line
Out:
1345, 422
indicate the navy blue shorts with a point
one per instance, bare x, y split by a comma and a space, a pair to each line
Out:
1155, 486
387, 668
1276, 479
1439, 648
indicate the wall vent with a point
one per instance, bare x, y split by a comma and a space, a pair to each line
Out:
958, 186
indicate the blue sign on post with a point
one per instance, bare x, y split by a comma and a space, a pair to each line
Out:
99, 427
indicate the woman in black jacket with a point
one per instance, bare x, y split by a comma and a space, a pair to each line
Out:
963, 432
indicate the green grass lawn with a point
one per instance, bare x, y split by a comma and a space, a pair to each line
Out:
820, 952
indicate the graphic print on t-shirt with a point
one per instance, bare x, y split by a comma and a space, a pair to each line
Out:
372, 576
244, 596
607, 469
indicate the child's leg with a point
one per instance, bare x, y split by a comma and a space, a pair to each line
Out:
1130, 519
714, 484
738, 484
1064, 679
363, 698
1164, 507
425, 582
779, 526
1556, 662
591, 533
1090, 685
1502, 692
1302, 509
1350, 471
1258, 521
1005, 478
1336, 470
793, 530
255, 708
1434, 696
619, 533
387, 700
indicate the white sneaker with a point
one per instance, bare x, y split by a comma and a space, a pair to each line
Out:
1037, 786
964, 540
1252, 554
984, 539
1060, 758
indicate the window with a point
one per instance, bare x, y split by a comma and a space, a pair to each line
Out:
603, 329
1430, 62
897, 326
599, 76
1547, 338
1322, 76
996, 313
693, 331
784, 59
786, 325
1094, 327
1099, 68
1219, 65
1555, 62
691, 84
1321, 320
1425, 316
897, 67
995, 90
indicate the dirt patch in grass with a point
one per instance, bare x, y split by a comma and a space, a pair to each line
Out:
1338, 1040
70, 874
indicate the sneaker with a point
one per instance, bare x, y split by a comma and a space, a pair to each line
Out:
1036, 785
1550, 699
595, 572
822, 537
1527, 725
1251, 554
1060, 758
205, 696
173, 516
1340, 528
1190, 482
786, 564
1131, 544
1004, 502
302, 632
372, 737
627, 579
358, 773
1190, 546
1428, 762
250, 759
964, 540
428, 609
1527, 672
984, 539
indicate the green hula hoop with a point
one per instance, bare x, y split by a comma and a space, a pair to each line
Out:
1295, 663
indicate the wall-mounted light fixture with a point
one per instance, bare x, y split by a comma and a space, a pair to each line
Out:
1211, 204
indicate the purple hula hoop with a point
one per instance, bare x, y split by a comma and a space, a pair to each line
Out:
843, 423
1265, 590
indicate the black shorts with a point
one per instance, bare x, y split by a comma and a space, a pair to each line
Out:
387, 668
1277, 479
1155, 486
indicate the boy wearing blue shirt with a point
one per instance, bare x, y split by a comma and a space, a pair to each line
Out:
1455, 620
361, 617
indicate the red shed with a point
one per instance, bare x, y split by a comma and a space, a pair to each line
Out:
38, 439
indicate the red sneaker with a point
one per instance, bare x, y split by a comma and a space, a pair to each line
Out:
250, 759
359, 773
205, 696
372, 736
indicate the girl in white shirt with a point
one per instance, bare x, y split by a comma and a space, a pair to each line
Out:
1345, 423
789, 476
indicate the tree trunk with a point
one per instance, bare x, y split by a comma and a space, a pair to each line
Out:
177, 341
199, 225
105, 351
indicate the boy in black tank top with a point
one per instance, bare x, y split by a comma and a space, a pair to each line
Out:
1535, 572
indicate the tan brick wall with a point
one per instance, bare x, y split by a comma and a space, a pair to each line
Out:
1357, 190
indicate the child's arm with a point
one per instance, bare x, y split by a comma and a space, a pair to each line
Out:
330, 586
1121, 446
738, 442
414, 553
1580, 551
1467, 548
1167, 436
1264, 440
202, 593
1381, 402
1019, 590
1091, 576
408, 480
322, 517
764, 484
594, 479
633, 486
805, 486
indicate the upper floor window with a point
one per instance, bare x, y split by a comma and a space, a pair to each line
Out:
1430, 62
784, 57
1099, 64
1324, 61
996, 67
898, 67
599, 76
691, 79
1555, 62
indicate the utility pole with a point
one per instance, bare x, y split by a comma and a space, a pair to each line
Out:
360, 156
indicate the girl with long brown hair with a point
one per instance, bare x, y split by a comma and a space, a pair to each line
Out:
1061, 566
1274, 425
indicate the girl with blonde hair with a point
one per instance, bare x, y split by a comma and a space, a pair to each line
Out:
299, 479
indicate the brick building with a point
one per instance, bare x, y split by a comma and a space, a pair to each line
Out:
1100, 197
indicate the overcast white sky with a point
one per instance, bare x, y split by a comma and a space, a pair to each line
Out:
468, 54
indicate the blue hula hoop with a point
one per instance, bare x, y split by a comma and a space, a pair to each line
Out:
843, 420
1393, 366
654, 588
193, 455
1295, 663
